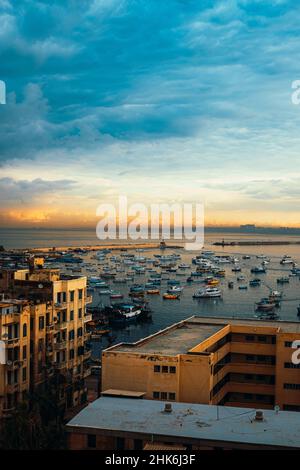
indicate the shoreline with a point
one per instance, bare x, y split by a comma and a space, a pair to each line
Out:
70, 248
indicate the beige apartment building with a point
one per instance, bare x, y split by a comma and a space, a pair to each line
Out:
57, 351
218, 361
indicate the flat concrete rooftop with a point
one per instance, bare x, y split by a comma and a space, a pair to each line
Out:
188, 420
185, 335
178, 339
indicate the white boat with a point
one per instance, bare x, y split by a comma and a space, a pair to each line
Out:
287, 260
207, 293
174, 289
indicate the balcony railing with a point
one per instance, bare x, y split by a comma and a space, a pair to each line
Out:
60, 345
60, 325
87, 317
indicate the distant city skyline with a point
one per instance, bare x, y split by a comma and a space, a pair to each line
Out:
159, 101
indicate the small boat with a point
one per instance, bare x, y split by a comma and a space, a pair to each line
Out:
136, 294
190, 279
212, 282
230, 284
105, 292
246, 257
265, 305
243, 287
258, 270
283, 280
254, 282
116, 295
287, 260
240, 278
171, 296
175, 289
207, 292
153, 291
236, 269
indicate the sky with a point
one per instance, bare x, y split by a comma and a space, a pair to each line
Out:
160, 101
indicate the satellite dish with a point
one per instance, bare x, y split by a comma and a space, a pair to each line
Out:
40, 286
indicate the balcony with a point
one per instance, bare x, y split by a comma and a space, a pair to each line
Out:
60, 325
87, 354
61, 305
60, 345
87, 317
60, 365
86, 372
11, 342
12, 388
50, 328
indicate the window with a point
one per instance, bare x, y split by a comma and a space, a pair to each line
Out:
138, 444
250, 357
165, 369
79, 332
261, 358
71, 335
41, 345
291, 386
80, 294
24, 352
120, 443
172, 370
91, 441
249, 376
290, 365
71, 315
164, 395
41, 323
288, 344
24, 330
80, 313
291, 407
72, 295
156, 395
262, 339
172, 396
156, 368
24, 374
72, 353
248, 396
250, 337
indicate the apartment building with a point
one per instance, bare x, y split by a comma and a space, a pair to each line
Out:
15, 353
216, 361
130, 424
57, 342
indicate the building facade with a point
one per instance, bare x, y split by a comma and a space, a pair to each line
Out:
44, 336
217, 361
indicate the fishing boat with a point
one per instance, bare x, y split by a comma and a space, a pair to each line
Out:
175, 289
212, 282
153, 291
207, 292
258, 270
168, 296
265, 305
124, 313
116, 295
236, 269
287, 260
283, 280
254, 282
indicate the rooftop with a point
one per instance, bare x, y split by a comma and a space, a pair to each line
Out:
190, 421
178, 339
183, 336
